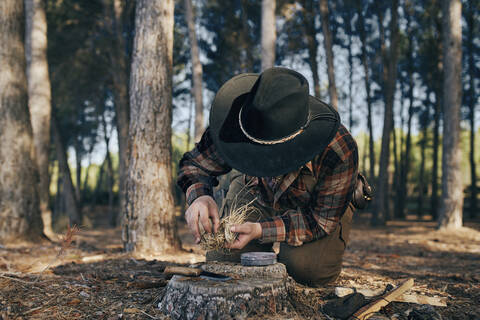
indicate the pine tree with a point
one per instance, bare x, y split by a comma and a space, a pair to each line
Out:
149, 227
451, 205
19, 202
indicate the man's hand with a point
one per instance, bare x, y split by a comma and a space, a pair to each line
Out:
246, 233
202, 210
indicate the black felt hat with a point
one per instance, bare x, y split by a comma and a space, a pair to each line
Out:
267, 125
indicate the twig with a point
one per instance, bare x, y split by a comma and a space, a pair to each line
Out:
368, 310
66, 242
16, 279
151, 317
40, 307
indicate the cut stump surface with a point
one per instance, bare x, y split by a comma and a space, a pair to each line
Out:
252, 290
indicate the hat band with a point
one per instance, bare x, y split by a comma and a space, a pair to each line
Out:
270, 142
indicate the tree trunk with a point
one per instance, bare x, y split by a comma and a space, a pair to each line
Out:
471, 104
421, 179
396, 171
197, 72
78, 172
73, 212
363, 39
350, 71
150, 222
106, 136
399, 161
256, 290
312, 43
390, 63
436, 138
405, 164
451, 203
327, 40
246, 60
269, 33
87, 171
119, 69
39, 100
401, 189
19, 201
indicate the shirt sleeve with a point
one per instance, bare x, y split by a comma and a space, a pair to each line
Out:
199, 168
332, 195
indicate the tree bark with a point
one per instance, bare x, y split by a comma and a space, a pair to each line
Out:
197, 72
73, 212
256, 290
39, 100
269, 33
327, 40
390, 63
19, 201
363, 39
312, 43
451, 203
149, 227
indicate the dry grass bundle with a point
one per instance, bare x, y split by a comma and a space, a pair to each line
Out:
237, 215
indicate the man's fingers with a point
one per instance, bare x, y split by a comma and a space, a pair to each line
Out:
192, 221
216, 222
213, 213
240, 228
205, 221
237, 244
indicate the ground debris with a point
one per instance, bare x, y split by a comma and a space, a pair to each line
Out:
447, 269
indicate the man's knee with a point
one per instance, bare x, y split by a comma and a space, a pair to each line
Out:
318, 262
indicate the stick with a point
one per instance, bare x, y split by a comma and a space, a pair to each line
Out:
184, 271
410, 298
368, 310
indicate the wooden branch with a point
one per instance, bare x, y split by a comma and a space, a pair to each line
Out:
368, 310
409, 298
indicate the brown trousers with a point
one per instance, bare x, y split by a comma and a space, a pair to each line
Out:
314, 263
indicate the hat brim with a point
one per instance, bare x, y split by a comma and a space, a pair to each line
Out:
263, 160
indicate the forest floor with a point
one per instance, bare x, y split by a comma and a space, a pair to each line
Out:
94, 279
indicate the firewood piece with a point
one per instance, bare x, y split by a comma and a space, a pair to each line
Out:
368, 310
409, 298
189, 272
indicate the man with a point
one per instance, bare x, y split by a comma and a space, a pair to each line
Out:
296, 163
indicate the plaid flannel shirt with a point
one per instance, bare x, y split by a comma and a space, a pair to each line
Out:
303, 215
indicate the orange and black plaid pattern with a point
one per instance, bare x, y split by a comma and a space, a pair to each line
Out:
309, 201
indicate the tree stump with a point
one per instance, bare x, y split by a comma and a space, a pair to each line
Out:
252, 290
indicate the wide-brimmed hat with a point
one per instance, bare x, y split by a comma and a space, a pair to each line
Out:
267, 124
